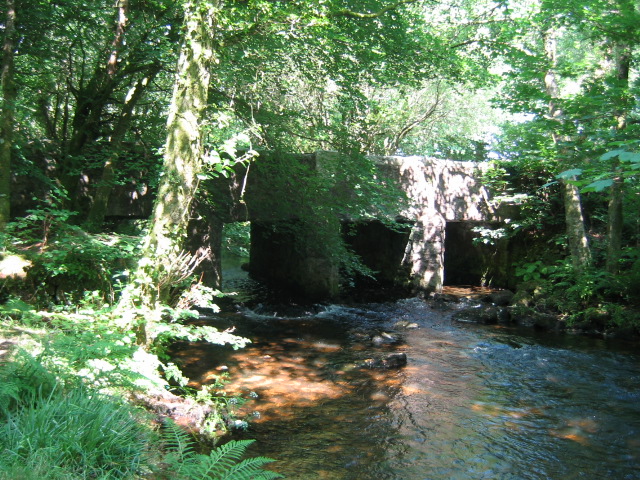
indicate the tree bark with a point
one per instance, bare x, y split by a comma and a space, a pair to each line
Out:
574, 218
7, 116
576, 233
164, 263
100, 204
622, 64
615, 225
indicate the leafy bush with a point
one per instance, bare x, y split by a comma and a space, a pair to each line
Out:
592, 297
236, 238
68, 264
77, 263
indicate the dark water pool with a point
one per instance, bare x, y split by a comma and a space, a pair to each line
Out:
473, 402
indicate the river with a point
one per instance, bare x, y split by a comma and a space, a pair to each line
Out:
473, 402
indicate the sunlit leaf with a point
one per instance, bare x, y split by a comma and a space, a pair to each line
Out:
598, 185
568, 174
611, 154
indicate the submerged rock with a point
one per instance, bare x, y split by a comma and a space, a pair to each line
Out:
384, 339
395, 360
484, 314
403, 324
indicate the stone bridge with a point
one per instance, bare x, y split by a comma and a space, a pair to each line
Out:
433, 244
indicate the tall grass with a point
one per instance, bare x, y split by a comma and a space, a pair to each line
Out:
72, 434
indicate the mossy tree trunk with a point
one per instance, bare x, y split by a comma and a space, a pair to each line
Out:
7, 115
576, 232
164, 263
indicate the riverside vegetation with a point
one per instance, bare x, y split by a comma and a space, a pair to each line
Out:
79, 397
163, 95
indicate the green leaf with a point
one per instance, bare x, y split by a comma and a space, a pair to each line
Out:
630, 157
598, 185
569, 174
611, 154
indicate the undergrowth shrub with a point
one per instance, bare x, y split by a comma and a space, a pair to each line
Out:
77, 263
54, 429
590, 297
21, 381
68, 263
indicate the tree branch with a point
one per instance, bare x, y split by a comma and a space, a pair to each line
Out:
359, 15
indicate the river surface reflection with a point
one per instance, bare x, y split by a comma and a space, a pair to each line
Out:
473, 402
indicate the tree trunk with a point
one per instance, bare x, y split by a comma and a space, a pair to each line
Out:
204, 243
615, 224
7, 116
622, 64
576, 234
98, 210
574, 218
164, 264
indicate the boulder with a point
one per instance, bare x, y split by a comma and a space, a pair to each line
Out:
522, 298
443, 301
501, 298
528, 317
483, 314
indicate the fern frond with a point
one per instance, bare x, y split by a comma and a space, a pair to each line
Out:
177, 442
251, 469
22, 380
224, 463
222, 459
9, 394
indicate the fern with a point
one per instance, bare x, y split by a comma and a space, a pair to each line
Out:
21, 380
223, 458
223, 463
9, 395
250, 469
178, 445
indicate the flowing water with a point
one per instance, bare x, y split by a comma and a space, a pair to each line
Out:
473, 402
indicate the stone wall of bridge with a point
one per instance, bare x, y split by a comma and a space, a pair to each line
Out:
276, 194
438, 193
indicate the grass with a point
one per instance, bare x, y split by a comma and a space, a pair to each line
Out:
51, 430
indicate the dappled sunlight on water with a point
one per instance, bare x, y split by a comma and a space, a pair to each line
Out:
472, 403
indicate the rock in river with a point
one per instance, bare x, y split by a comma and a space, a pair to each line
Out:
395, 360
